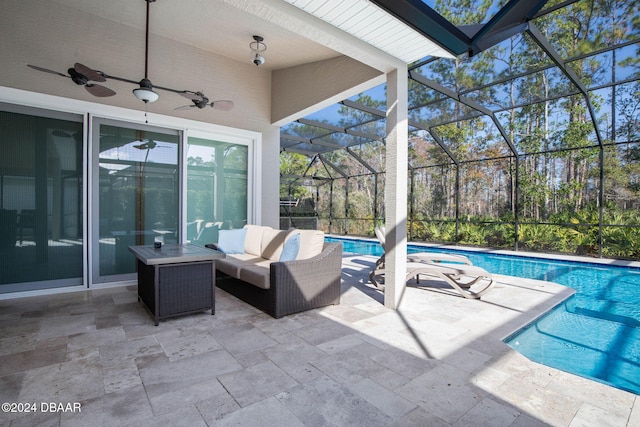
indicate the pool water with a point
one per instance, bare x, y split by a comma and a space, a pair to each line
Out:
594, 334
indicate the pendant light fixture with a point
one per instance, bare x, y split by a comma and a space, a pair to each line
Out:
257, 47
145, 92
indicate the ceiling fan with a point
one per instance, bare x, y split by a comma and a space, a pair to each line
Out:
149, 144
82, 75
146, 145
200, 101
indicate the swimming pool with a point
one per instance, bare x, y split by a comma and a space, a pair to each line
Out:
595, 333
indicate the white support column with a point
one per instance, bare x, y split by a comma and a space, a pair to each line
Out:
396, 187
267, 178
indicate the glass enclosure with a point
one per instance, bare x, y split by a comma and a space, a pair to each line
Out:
528, 144
41, 243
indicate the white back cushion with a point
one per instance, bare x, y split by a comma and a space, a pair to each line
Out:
311, 243
253, 240
272, 242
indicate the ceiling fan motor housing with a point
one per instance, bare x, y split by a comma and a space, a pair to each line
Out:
202, 103
78, 78
146, 84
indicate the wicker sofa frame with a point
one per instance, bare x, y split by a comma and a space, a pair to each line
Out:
295, 286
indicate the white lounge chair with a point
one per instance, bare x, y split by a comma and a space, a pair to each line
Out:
456, 270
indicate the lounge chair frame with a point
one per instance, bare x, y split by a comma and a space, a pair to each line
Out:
455, 270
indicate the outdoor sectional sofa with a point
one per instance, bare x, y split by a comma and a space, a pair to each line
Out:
280, 272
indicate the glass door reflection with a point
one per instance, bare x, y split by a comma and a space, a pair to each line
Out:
137, 196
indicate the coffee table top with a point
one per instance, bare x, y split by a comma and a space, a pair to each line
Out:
173, 254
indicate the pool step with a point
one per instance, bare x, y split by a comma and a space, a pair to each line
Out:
622, 313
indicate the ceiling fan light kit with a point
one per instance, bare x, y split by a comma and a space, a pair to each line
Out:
145, 92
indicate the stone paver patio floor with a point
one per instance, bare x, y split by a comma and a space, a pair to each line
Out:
437, 361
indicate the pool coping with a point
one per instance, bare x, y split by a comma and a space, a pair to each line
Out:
506, 252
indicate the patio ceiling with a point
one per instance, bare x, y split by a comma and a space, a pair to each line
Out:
220, 27
225, 27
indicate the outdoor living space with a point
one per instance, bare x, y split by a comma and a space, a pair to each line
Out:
437, 360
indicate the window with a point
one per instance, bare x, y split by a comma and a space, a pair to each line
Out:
217, 188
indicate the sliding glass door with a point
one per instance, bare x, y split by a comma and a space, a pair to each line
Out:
72, 200
41, 185
135, 194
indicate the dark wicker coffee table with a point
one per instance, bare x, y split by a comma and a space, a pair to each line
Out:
176, 279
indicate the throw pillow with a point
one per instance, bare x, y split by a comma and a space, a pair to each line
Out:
291, 248
232, 241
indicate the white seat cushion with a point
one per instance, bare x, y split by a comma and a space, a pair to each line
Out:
232, 263
257, 275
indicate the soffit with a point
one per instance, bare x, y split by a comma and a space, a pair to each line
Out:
368, 22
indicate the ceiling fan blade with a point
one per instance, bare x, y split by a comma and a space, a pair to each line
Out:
148, 145
89, 73
184, 107
99, 91
223, 105
194, 96
46, 70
